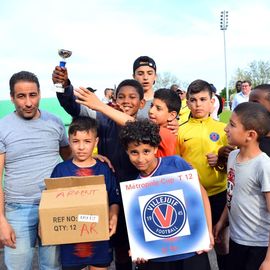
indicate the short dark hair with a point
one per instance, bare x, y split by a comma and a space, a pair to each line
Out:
83, 123
254, 116
238, 82
247, 81
133, 83
141, 131
170, 98
25, 76
236, 86
265, 88
108, 89
213, 88
175, 87
198, 86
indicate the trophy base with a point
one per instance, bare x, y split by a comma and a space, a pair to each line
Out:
58, 88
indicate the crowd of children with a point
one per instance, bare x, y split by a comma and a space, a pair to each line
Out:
140, 136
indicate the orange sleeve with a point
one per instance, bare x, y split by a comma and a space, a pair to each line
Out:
167, 146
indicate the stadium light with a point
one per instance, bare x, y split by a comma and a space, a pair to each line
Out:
223, 26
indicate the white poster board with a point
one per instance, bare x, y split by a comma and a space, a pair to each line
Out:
165, 215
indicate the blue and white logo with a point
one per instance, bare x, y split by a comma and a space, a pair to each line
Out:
214, 136
164, 215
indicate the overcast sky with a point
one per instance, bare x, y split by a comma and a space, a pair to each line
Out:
106, 36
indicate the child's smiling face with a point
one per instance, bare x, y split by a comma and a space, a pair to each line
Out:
129, 101
142, 156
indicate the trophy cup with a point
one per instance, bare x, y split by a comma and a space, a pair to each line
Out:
63, 54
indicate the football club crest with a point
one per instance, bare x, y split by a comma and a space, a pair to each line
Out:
164, 215
214, 136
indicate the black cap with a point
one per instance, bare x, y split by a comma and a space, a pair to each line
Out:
144, 61
91, 89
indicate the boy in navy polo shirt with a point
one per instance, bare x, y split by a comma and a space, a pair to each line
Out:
141, 139
83, 139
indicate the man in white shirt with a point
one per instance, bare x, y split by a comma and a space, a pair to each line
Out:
243, 96
108, 95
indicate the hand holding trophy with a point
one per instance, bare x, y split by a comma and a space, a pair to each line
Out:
64, 54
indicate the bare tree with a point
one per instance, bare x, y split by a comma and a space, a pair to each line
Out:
167, 79
258, 72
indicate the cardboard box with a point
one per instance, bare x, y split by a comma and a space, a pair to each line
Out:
165, 215
74, 210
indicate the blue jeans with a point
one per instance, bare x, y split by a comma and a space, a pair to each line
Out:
24, 220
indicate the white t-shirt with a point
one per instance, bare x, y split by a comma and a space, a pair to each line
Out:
214, 114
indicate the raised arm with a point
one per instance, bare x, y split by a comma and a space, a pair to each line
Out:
66, 99
90, 100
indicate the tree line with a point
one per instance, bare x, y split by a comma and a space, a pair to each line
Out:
258, 72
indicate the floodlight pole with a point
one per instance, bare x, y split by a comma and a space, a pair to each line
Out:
223, 27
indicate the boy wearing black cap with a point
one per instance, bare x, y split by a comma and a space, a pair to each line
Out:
144, 71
